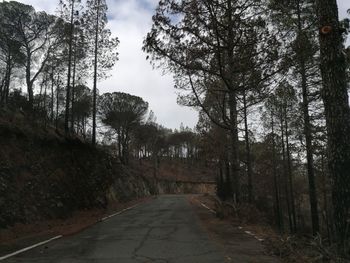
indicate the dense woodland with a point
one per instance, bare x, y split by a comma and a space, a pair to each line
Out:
268, 78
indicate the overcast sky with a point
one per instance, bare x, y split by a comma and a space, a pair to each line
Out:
130, 20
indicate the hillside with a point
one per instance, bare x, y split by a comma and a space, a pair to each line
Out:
45, 175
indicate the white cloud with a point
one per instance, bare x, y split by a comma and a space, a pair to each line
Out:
42, 5
343, 6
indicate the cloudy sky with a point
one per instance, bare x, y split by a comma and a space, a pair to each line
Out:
130, 20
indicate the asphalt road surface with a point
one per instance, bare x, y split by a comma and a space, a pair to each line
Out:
164, 230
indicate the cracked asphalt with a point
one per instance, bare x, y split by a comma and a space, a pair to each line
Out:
164, 230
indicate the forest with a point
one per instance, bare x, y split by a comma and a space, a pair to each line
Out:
269, 79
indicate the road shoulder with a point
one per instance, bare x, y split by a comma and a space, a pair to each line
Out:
239, 245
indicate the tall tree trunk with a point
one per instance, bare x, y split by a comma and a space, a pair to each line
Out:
126, 147
41, 95
248, 152
307, 132
235, 169
68, 91
119, 136
285, 173
84, 127
2, 86
336, 101
98, 2
309, 153
57, 99
278, 210
52, 96
325, 199
73, 87
290, 173
155, 165
45, 108
228, 178
219, 180
7, 81
230, 83
28, 79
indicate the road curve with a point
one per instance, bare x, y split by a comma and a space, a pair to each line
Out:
164, 230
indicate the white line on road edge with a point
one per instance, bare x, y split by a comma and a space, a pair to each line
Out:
118, 213
256, 237
211, 210
29, 248
249, 233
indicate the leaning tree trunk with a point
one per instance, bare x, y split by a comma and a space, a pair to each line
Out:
336, 102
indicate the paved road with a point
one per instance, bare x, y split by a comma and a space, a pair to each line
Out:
165, 230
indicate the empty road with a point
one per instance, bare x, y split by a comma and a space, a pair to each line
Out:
163, 230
